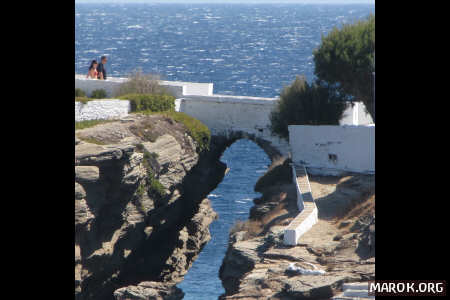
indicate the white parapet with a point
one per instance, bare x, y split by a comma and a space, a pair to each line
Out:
103, 109
177, 88
308, 213
296, 229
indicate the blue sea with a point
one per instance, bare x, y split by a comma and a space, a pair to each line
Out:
251, 50
232, 200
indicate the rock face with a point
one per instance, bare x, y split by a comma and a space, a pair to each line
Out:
126, 238
261, 267
149, 290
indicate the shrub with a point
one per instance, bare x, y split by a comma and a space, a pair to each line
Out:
279, 174
99, 94
139, 83
196, 129
302, 103
79, 93
155, 188
150, 102
83, 100
346, 59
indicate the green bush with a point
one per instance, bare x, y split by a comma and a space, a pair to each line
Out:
196, 129
139, 83
346, 59
279, 174
155, 188
150, 102
99, 94
83, 100
302, 103
79, 93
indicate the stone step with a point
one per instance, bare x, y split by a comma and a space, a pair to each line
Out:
356, 286
307, 197
356, 293
300, 170
304, 187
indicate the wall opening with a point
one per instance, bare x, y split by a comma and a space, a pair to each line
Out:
332, 157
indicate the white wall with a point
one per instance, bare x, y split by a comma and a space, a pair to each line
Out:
177, 88
225, 114
101, 110
353, 146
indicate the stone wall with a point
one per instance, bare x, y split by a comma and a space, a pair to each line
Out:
101, 109
333, 149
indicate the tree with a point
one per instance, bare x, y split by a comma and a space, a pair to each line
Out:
306, 104
345, 59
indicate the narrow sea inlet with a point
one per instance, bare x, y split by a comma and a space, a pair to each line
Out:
232, 200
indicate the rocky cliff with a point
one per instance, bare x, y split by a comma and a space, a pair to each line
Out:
141, 217
338, 249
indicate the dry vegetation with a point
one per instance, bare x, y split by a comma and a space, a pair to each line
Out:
140, 83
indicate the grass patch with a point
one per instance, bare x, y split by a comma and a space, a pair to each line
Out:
90, 123
140, 190
279, 174
155, 188
196, 129
91, 140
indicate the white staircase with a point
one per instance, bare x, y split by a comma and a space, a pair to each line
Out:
303, 184
308, 215
354, 291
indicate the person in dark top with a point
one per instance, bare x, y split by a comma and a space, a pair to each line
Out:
101, 71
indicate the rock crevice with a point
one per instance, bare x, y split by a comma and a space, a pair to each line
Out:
125, 238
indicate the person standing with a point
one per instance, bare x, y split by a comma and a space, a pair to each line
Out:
101, 71
92, 73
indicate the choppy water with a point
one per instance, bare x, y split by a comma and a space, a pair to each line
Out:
243, 49
248, 50
232, 200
